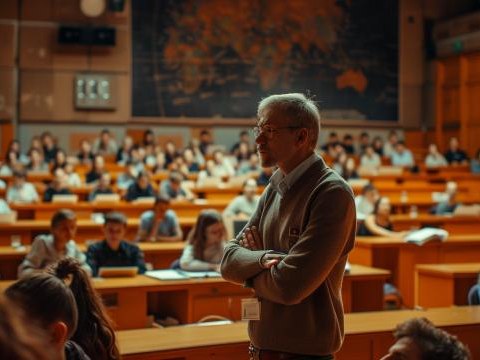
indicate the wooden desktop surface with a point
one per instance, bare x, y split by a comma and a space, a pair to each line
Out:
367, 336
130, 300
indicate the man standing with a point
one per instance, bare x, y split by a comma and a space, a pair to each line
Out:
294, 249
114, 250
49, 248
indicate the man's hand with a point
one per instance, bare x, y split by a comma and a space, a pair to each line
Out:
271, 259
251, 239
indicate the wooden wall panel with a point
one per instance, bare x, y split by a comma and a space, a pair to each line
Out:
38, 10
36, 97
9, 9
7, 46
6, 136
113, 58
39, 50
474, 103
451, 105
473, 68
452, 71
7, 95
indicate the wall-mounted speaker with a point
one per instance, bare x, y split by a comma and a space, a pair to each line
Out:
101, 36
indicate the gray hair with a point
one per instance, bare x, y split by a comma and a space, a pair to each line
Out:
299, 109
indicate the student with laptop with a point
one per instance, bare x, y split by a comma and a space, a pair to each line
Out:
114, 251
58, 186
103, 188
49, 248
159, 224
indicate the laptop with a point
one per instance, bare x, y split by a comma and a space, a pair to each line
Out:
144, 200
65, 199
117, 271
107, 198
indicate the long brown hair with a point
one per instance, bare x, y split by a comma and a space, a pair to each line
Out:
198, 235
95, 332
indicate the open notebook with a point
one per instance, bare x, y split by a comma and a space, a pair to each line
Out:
424, 235
170, 274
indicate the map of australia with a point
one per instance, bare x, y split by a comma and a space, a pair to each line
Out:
217, 58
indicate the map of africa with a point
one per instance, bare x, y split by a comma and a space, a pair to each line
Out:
218, 58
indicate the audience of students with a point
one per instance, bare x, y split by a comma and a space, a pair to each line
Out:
115, 250
48, 248
159, 224
204, 247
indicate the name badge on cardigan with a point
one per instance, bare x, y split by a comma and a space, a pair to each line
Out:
250, 309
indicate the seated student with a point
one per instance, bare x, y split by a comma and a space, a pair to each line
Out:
105, 144
401, 156
450, 204
4, 208
378, 223
103, 187
98, 167
95, 333
370, 159
365, 203
20, 339
21, 191
140, 188
73, 179
252, 165
49, 248
265, 175
159, 224
475, 164
222, 166
85, 155
127, 178
418, 338
454, 155
172, 187
59, 160
243, 206
114, 250
434, 159
10, 163
204, 248
58, 186
49, 303
49, 147
36, 162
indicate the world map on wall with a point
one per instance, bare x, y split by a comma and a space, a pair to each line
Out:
218, 58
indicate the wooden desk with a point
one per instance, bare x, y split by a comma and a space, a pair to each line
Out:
367, 336
400, 257
86, 230
439, 285
455, 225
130, 300
84, 210
160, 255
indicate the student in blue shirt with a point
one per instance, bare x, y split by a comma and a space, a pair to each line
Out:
159, 224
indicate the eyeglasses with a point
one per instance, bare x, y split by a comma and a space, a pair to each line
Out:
269, 131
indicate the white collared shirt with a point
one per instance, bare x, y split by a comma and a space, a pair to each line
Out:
281, 183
